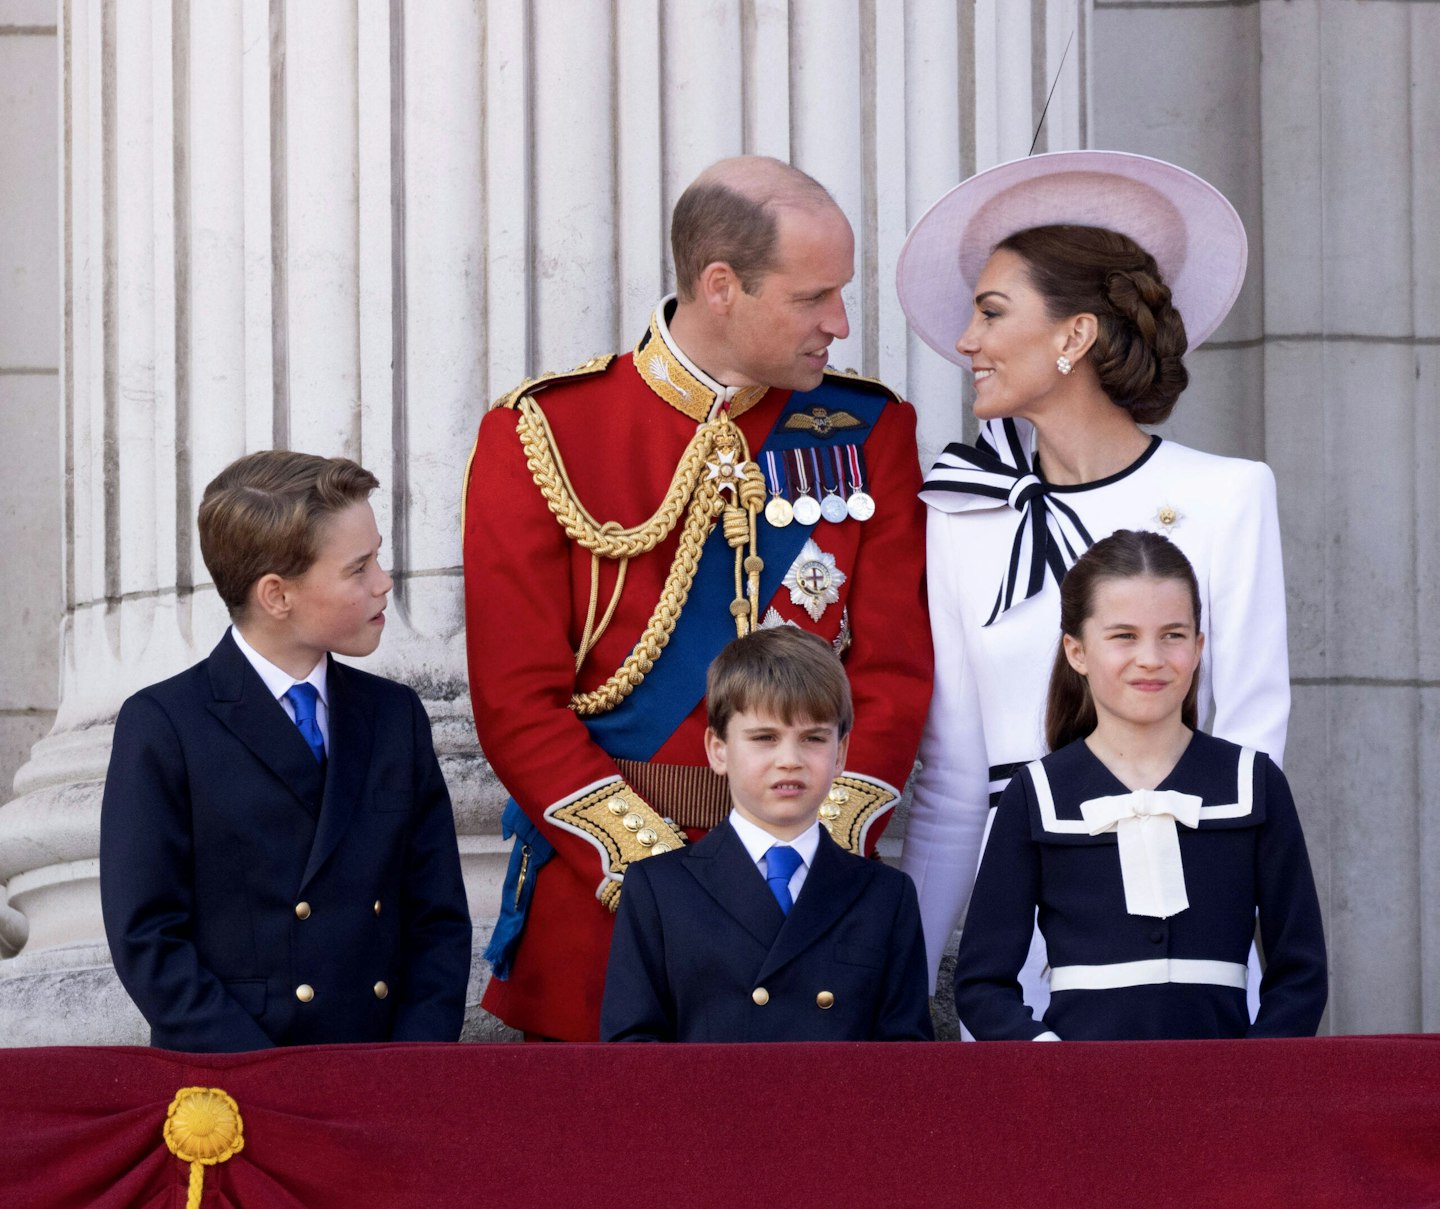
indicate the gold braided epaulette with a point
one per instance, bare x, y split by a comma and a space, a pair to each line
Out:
850, 375
550, 378
849, 808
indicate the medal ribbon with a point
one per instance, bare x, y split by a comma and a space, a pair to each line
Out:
772, 474
821, 486
802, 480
857, 475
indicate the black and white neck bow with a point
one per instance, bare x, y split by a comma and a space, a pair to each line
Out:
997, 472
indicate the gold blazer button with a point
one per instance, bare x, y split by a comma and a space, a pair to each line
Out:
304, 992
381, 990
824, 1000
302, 910
761, 996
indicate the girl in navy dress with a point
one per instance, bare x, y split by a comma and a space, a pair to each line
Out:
1146, 846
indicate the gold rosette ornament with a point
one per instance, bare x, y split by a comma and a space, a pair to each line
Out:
202, 1128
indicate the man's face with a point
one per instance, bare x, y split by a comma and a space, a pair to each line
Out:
780, 335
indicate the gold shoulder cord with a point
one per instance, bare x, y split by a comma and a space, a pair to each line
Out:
717, 449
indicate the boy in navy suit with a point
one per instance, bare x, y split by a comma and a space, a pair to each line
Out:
278, 863
766, 929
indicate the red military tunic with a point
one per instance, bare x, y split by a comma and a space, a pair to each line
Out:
620, 426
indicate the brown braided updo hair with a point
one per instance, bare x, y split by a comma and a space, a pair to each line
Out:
1141, 340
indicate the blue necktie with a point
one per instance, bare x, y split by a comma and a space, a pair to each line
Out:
781, 861
302, 698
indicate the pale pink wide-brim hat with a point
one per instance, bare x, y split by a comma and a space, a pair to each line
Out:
1186, 223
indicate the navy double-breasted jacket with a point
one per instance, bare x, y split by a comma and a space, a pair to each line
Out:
702, 951
252, 898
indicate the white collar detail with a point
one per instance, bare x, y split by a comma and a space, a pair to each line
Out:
277, 679
1241, 807
758, 841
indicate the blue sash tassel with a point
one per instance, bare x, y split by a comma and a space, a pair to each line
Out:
515, 906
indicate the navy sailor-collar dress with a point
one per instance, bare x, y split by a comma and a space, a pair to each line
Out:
1071, 841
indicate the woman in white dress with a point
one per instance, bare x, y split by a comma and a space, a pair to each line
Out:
1072, 285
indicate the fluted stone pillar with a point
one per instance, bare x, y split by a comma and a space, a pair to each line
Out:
345, 225
1321, 118
238, 275
30, 593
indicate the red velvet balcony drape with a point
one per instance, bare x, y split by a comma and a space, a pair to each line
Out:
1349, 1121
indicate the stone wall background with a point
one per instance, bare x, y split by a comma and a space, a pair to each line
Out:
345, 225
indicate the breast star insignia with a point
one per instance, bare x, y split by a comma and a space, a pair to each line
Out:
814, 580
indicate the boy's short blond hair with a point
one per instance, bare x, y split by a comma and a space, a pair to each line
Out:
784, 671
263, 513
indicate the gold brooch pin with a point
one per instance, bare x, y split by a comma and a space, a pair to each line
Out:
1167, 516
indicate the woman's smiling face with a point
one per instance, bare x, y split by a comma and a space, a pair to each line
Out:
1012, 341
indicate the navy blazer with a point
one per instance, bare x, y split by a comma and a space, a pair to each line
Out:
702, 951
252, 899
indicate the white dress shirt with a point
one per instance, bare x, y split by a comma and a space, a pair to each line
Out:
280, 682
758, 842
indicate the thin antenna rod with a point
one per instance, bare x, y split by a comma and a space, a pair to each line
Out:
1053, 83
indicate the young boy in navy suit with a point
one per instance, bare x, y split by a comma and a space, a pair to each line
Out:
766, 929
278, 863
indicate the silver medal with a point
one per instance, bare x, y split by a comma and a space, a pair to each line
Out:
778, 512
807, 510
832, 508
860, 505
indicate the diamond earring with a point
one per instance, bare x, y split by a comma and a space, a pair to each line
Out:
1062, 363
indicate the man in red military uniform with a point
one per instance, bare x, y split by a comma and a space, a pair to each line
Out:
627, 519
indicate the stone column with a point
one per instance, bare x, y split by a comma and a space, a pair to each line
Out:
345, 225
30, 593
1321, 119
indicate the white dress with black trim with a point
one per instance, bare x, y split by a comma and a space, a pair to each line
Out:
1180, 971
998, 540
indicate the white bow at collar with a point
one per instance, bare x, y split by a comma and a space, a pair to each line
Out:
1144, 825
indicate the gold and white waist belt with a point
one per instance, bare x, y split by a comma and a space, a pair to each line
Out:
1152, 972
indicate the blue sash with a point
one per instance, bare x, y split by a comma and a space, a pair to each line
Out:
639, 726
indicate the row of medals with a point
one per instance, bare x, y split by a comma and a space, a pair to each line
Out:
859, 505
